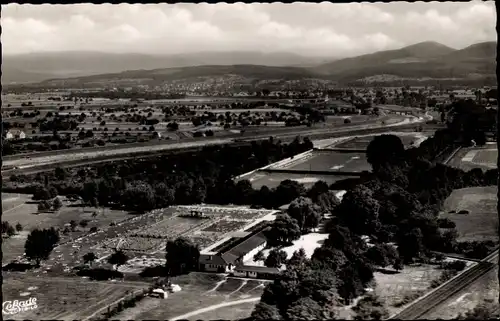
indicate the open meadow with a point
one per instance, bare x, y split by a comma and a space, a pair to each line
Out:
272, 180
329, 161
27, 214
481, 221
200, 291
475, 157
485, 289
362, 142
412, 282
57, 298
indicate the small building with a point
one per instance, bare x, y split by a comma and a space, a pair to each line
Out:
15, 134
195, 213
235, 253
159, 293
258, 272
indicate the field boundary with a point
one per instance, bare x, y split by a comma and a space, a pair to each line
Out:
282, 162
312, 172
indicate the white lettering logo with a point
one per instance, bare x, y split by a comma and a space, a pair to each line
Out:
17, 306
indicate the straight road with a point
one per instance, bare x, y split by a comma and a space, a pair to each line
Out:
417, 309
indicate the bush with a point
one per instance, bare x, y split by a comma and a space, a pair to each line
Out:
454, 265
446, 223
100, 274
18, 267
154, 271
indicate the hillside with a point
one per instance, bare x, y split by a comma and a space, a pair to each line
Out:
424, 60
41, 66
158, 76
416, 53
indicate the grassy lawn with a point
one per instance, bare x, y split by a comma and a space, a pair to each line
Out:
331, 161
479, 157
234, 312
60, 299
199, 291
414, 280
482, 222
485, 289
26, 213
272, 180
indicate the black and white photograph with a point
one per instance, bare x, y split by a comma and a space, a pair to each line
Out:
250, 161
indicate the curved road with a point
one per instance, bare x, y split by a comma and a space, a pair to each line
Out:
127, 151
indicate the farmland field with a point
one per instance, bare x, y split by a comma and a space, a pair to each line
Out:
362, 142
272, 180
330, 161
171, 227
231, 212
412, 280
485, 289
482, 222
138, 244
61, 298
225, 225
478, 157
198, 291
26, 213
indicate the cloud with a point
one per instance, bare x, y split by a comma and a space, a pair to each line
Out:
314, 29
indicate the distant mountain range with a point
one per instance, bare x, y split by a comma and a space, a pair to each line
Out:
422, 60
36, 67
427, 60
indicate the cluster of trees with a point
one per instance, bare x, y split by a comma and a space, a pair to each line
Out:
9, 230
127, 94
471, 121
397, 209
47, 205
188, 178
314, 288
40, 244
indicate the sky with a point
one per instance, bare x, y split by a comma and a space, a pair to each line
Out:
310, 29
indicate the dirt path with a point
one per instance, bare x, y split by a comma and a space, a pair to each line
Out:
214, 307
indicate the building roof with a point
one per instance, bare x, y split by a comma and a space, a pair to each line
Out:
256, 269
244, 247
212, 259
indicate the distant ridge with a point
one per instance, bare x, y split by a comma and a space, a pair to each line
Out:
426, 60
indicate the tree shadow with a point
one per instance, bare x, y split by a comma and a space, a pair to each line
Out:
18, 267
387, 271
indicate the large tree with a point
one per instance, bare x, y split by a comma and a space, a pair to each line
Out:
276, 258
359, 210
182, 256
307, 214
383, 150
287, 191
118, 258
283, 231
40, 244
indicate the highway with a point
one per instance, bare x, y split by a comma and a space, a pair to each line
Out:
90, 155
418, 308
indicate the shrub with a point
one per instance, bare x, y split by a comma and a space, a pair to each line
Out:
454, 265
100, 274
154, 271
446, 223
